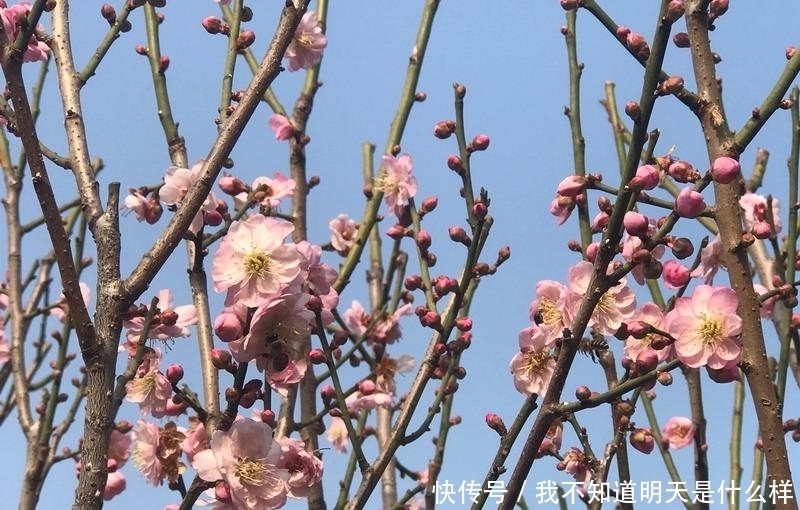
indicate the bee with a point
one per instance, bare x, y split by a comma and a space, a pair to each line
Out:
278, 352
593, 346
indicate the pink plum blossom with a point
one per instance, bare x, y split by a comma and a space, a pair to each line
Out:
13, 17
397, 183
706, 328
60, 312
678, 432
145, 452
246, 457
561, 207
709, 261
576, 464
281, 126
616, 305
356, 318
252, 263
755, 210
337, 435
360, 401
305, 49
268, 191
137, 203
151, 390
343, 235
533, 365
175, 324
547, 310
652, 315
305, 469
177, 182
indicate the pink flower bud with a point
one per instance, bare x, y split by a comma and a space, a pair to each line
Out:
317, 356
268, 416
108, 12
689, 203
570, 5
213, 218
423, 240
636, 224
480, 143
623, 32
675, 274
163, 64
682, 248
725, 170
428, 205
281, 126
600, 222
671, 85
642, 440
459, 235
583, 393
454, 163
790, 51
638, 45
633, 110
646, 361
245, 39
413, 282
212, 24
396, 232
141, 50
646, 178
431, 320
366, 386
572, 186
592, 250
174, 373
464, 323
639, 329
762, 230
222, 492
220, 358
479, 209
675, 10
495, 423
443, 129
681, 40
232, 185
717, 8
228, 327
682, 171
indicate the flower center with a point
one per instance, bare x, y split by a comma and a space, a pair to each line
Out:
304, 39
250, 471
710, 330
388, 183
535, 360
256, 264
550, 313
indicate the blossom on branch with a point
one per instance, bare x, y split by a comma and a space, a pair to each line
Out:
706, 328
246, 458
305, 49
13, 18
533, 365
253, 264
397, 183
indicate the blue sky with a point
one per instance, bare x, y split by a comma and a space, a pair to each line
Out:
511, 57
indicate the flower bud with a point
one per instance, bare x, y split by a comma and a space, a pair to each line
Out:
671, 85
214, 25
317, 356
428, 205
366, 386
583, 393
725, 170
571, 186
431, 320
413, 282
637, 44
396, 232
633, 110
665, 379
675, 274
646, 361
163, 64
109, 13
443, 129
459, 235
689, 203
681, 40
790, 51
682, 248
454, 163
228, 327
675, 10
642, 440
479, 209
682, 171
464, 323
646, 178
220, 358
424, 240
480, 143
636, 224
717, 8
245, 40
141, 50
495, 423
174, 373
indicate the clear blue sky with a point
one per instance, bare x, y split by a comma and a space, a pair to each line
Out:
511, 57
